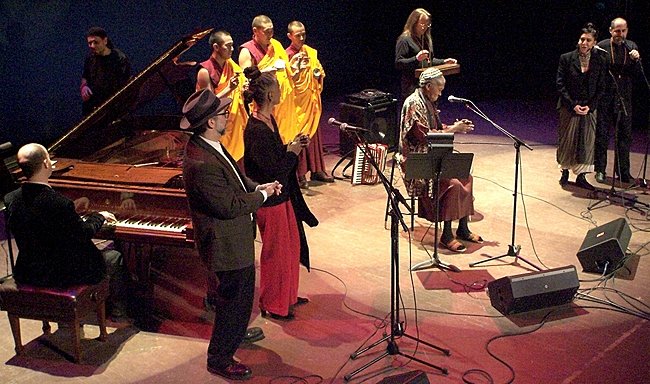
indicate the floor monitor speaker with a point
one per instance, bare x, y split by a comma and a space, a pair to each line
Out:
413, 377
604, 247
380, 119
536, 290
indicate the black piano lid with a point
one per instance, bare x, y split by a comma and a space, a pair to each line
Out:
113, 120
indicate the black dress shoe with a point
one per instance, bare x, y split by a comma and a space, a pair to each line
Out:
303, 183
628, 179
232, 371
253, 334
601, 177
582, 182
564, 179
322, 176
289, 316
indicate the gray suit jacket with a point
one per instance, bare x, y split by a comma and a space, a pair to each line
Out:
221, 209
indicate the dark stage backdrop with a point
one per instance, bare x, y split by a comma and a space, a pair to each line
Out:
508, 49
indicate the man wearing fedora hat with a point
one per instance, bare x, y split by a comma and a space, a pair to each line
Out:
222, 202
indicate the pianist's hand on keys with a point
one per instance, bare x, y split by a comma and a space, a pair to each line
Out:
110, 218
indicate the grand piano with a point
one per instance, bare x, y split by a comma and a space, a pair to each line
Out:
119, 160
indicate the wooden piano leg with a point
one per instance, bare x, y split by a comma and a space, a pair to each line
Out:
47, 329
101, 319
14, 322
76, 339
137, 258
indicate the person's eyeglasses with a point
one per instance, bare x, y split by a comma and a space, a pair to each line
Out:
226, 113
426, 25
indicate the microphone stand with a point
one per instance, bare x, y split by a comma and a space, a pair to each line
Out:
644, 181
341, 160
396, 326
513, 250
358, 138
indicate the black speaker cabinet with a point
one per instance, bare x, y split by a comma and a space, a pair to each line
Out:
604, 247
530, 291
380, 119
413, 377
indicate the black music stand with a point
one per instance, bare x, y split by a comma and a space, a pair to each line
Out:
439, 162
396, 326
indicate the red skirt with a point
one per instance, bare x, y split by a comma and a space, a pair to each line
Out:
279, 259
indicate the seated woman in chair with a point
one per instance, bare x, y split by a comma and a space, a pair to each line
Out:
456, 202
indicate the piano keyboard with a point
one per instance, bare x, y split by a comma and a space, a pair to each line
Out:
150, 229
362, 171
154, 223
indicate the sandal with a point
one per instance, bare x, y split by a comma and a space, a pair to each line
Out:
472, 237
454, 246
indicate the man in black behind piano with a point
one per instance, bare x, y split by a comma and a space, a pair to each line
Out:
222, 202
55, 244
106, 70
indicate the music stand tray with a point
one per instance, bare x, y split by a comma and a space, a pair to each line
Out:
450, 165
439, 162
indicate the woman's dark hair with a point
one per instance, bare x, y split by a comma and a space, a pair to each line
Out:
590, 29
259, 85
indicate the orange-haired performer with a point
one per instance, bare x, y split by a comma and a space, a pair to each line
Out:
268, 55
308, 85
226, 79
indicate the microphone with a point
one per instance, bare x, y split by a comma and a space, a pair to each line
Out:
345, 126
454, 99
627, 45
599, 49
5, 147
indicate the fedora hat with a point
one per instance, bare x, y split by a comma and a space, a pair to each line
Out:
201, 106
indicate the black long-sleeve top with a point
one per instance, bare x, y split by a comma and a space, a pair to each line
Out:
266, 158
406, 50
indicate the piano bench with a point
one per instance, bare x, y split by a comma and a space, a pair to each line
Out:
61, 305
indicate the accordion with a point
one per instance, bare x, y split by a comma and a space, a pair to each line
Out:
362, 170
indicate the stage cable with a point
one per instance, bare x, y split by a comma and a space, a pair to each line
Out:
502, 361
345, 294
291, 379
635, 307
538, 199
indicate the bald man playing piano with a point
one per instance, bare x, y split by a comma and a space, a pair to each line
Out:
55, 243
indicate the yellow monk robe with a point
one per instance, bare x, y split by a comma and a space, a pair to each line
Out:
284, 112
307, 90
233, 139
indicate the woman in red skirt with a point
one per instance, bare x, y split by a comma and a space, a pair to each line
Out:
280, 220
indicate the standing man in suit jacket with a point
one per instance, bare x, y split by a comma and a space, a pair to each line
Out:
624, 66
222, 202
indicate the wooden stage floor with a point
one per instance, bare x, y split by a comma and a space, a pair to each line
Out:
349, 288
